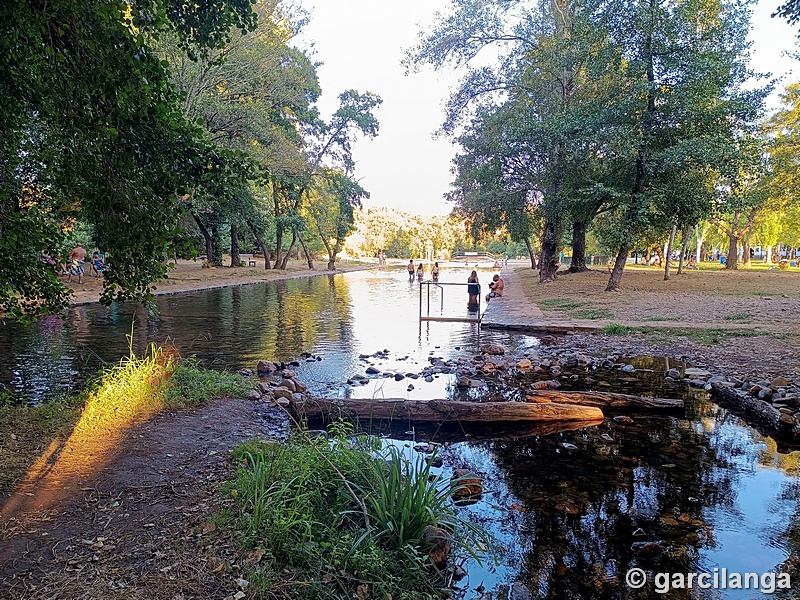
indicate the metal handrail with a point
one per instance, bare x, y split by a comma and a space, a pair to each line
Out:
440, 285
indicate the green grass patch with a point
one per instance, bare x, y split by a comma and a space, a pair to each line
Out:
742, 317
342, 516
617, 329
560, 304
660, 319
703, 336
191, 384
592, 313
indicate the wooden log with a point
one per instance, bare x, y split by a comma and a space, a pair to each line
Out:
445, 410
608, 400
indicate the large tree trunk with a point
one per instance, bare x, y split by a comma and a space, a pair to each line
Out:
619, 265
578, 263
548, 264
668, 252
746, 251
216, 258
279, 248
289, 251
531, 254
732, 262
261, 244
234, 245
306, 252
206, 235
446, 410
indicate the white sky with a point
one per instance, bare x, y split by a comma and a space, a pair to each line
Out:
361, 44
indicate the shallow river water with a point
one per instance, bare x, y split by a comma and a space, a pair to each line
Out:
572, 512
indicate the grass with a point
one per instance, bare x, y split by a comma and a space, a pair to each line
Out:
617, 329
592, 313
560, 304
114, 399
575, 308
699, 335
742, 317
342, 517
660, 319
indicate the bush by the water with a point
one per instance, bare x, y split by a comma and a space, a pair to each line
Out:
345, 518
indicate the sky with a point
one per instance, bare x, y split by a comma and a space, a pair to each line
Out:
361, 44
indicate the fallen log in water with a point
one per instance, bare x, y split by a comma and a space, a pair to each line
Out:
445, 410
609, 400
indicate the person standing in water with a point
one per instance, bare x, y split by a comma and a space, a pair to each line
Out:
410, 268
435, 271
420, 272
474, 291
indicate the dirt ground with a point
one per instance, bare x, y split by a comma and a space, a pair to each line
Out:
144, 526
147, 527
747, 323
189, 275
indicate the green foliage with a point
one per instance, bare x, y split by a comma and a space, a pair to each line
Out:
742, 317
617, 329
560, 304
296, 502
191, 384
702, 336
91, 127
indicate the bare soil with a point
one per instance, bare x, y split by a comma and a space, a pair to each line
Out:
742, 324
144, 526
190, 275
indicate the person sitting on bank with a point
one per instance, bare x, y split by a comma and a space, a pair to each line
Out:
99, 265
411, 270
474, 290
497, 285
420, 272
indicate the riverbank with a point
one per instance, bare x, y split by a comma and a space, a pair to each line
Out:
191, 276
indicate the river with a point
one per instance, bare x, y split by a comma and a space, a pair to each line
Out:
572, 512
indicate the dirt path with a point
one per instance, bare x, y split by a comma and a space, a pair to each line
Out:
142, 527
189, 276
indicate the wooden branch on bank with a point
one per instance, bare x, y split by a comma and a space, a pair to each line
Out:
445, 410
608, 400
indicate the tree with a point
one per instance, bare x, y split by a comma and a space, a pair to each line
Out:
90, 126
254, 96
740, 195
686, 63
335, 195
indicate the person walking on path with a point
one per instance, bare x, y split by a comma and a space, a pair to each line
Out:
75, 262
411, 270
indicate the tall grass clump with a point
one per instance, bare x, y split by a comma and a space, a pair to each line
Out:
191, 384
342, 518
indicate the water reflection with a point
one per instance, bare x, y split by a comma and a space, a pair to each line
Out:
663, 494
336, 317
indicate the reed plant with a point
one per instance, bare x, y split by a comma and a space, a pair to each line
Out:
345, 518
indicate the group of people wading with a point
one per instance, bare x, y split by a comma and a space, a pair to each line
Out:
497, 285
